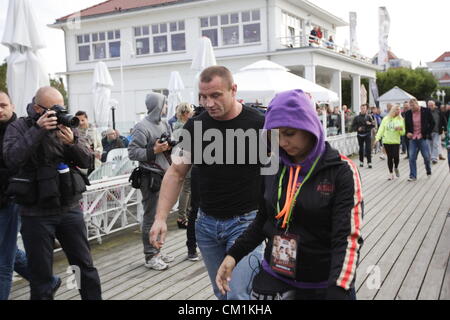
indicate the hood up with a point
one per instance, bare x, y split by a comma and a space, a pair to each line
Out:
294, 109
155, 103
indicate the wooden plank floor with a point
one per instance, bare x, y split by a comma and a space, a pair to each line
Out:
406, 250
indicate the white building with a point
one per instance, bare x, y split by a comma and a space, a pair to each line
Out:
440, 68
151, 38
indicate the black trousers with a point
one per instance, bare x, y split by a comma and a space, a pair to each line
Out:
39, 235
191, 242
393, 156
365, 147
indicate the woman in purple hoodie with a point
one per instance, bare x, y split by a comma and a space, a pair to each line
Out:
313, 206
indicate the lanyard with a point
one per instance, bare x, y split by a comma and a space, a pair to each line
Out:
292, 192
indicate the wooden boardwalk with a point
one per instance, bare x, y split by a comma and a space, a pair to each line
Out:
406, 250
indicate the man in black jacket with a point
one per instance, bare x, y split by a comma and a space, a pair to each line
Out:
11, 258
41, 151
363, 124
419, 125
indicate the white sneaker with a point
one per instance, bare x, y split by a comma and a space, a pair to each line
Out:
382, 157
166, 257
391, 176
156, 263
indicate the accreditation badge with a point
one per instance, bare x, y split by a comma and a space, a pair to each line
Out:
283, 259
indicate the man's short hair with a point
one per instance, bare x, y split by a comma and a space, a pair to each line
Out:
81, 113
208, 75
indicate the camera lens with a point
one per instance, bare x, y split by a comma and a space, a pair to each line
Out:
69, 120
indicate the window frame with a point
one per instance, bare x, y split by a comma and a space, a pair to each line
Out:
87, 39
221, 25
155, 31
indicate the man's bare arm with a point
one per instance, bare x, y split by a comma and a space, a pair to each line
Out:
170, 190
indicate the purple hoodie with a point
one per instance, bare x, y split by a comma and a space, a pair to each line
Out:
294, 109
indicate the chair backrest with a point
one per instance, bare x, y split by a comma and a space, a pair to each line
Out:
117, 154
105, 170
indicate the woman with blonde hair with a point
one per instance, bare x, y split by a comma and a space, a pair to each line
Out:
391, 129
184, 111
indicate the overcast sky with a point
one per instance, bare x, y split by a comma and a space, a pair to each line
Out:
420, 30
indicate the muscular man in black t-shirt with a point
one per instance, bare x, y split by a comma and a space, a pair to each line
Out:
223, 142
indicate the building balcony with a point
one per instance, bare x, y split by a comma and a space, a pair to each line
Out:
308, 41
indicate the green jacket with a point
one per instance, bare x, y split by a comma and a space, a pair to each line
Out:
387, 130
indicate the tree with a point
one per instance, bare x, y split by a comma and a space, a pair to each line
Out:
3, 69
58, 84
419, 82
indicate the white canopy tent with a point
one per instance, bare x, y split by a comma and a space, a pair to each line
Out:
395, 96
101, 94
175, 87
26, 71
203, 58
262, 80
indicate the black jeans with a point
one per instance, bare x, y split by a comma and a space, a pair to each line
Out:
191, 242
393, 157
365, 147
39, 235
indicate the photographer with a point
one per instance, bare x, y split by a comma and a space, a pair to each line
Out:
150, 145
48, 187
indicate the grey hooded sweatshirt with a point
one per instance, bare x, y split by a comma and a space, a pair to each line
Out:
146, 133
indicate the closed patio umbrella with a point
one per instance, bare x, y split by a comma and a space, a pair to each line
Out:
26, 71
203, 58
101, 94
175, 87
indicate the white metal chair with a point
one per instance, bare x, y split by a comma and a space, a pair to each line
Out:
116, 155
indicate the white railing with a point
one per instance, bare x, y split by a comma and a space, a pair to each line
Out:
110, 205
315, 42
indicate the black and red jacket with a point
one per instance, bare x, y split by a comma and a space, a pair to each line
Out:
327, 218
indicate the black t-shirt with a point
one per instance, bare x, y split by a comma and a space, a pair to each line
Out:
229, 183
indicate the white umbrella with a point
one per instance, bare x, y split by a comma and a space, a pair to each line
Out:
363, 94
26, 72
175, 87
263, 79
203, 58
101, 90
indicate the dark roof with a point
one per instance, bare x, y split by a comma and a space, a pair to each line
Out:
116, 6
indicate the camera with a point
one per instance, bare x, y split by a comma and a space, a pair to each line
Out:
165, 137
64, 118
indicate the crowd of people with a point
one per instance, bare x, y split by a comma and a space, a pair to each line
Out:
294, 233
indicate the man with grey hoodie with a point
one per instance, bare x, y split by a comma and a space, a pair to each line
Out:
154, 159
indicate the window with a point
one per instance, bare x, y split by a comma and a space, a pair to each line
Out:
160, 38
291, 30
98, 45
232, 29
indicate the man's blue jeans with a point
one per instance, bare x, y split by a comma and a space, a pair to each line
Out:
414, 147
214, 238
11, 258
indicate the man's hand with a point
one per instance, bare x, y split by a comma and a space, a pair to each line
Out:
160, 147
47, 121
65, 134
409, 135
158, 233
224, 274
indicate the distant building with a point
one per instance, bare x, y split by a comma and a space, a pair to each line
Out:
440, 68
393, 61
151, 38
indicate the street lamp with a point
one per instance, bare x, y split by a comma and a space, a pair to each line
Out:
438, 94
113, 103
443, 96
